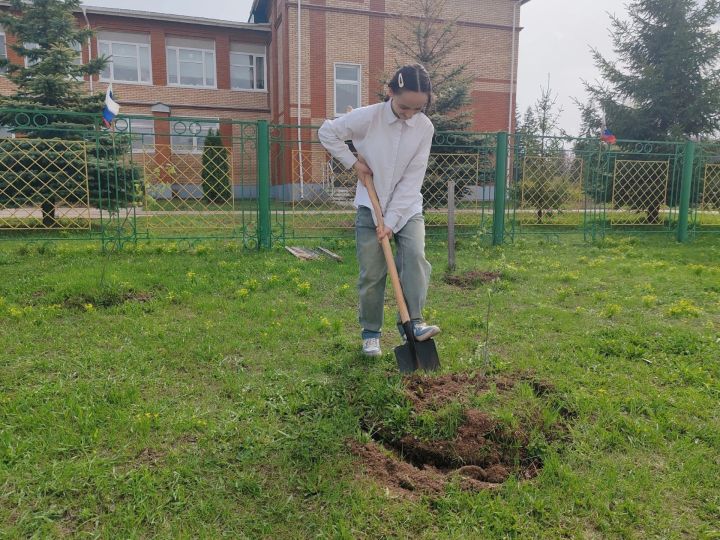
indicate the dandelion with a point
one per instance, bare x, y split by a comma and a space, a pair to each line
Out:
611, 310
649, 300
325, 323
684, 308
697, 269
192, 277
170, 296
344, 287
569, 276
242, 293
273, 279
563, 293
89, 308
15, 312
303, 288
251, 284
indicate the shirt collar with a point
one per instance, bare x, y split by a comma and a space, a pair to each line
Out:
391, 118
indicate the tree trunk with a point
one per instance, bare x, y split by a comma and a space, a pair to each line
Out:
48, 214
653, 213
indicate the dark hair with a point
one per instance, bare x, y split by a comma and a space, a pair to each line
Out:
413, 77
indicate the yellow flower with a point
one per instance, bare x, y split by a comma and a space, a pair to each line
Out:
611, 310
649, 300
683, 308
89, 307
242, 293
303, 288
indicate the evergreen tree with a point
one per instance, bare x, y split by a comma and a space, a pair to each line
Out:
666, 83
215, 169
544, 185
49, 87
664, 86
428, 39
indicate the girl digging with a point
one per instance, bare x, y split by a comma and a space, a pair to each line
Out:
393, 142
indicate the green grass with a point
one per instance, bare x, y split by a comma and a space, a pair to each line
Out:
200, 392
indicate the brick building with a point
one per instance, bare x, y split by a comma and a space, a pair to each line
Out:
346, 52
171, 65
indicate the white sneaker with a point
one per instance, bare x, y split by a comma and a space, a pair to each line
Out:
371, 347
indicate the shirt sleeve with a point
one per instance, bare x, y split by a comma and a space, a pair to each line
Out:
334, 133
408, 187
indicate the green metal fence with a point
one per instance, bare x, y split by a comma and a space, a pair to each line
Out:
65, 176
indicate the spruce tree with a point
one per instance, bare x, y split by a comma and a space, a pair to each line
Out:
664, 86
49, 88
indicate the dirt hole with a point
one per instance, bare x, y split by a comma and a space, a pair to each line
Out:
484, 451
106, 299
471, 279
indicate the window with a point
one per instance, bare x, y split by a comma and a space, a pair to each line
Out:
191, 62
3, 49
129, 57
347, 87
142, 134
188, 136
247, 67
31, 46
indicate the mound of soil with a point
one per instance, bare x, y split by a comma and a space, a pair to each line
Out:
483, 454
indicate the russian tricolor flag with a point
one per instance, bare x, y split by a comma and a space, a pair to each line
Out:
112, 108
608, 137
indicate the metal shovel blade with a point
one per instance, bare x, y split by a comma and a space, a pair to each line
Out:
425, 357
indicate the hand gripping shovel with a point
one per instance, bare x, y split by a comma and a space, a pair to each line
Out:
413, 354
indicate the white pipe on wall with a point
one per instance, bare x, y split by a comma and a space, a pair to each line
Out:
299, 96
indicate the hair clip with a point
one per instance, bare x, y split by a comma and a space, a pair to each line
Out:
401, 82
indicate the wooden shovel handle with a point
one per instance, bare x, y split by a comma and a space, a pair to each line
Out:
387, 251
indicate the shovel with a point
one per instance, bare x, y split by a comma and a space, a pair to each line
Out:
413, 355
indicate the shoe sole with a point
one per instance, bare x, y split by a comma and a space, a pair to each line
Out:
428, 335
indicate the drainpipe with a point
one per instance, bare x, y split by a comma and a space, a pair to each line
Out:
87, 23
512, 65
299, 96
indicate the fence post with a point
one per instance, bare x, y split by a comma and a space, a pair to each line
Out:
451, 225
501, 153
263, 172
686, 190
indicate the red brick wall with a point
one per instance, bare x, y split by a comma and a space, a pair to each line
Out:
216, 102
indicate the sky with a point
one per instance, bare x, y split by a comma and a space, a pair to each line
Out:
555, 41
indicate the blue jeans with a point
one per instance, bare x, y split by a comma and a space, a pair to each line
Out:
413, 268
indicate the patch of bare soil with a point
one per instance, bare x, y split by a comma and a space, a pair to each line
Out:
471, 279
483, 454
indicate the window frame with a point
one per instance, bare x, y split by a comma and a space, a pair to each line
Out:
177, 50
255, 56
3, 52
111, 65
142, 122
190, 120
346, 81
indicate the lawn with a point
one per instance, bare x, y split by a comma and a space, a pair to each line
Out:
204, 391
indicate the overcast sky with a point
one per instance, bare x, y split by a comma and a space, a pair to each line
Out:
556, 41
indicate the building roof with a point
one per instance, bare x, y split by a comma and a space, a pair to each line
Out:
188, 19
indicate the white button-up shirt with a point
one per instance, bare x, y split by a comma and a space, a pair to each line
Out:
397, 152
